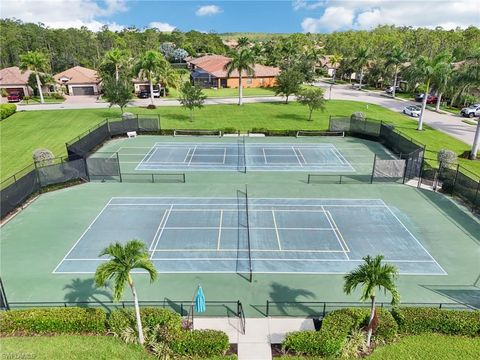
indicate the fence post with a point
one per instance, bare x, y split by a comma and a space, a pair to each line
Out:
455, 179
405, 170
159, 123
268, 308
373, 168
324, 309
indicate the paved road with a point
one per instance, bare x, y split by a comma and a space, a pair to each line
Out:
447, 123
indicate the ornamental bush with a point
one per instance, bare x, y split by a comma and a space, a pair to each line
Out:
72, 320
201, 343
6, 110
424, 320
121, 319
336, 327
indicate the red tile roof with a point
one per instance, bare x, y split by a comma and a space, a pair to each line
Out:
215, 64
78, 75
14, 76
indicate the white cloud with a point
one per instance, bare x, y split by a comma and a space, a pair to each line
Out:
368, 14
334, 18
161, 26
304, 4
65, 13
208, 10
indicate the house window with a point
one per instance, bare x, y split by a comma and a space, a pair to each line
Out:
262, 81
249, 81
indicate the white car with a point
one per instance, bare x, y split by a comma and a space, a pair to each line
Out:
156, 93
412, 110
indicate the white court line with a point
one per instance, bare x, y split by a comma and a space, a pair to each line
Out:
336, 236
224, 155
193, 153
408, 231
158, 229
276, 230
220, 230
143, 160
186, 156
301, 154
341, 155
329, 215
261, 205
236, 227
333, 152
273, 259
161, 232
83, 234
298, 159
264, 155
245, 250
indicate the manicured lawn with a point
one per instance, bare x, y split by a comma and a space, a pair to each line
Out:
36, 100
230, 92
430, 347
72, 348
24, 132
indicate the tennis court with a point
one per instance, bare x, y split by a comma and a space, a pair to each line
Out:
243, 235
328, 155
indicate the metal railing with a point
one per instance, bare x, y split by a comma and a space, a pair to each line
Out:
322, 308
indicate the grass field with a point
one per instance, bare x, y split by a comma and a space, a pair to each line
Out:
71, 347
230, 92
24, 132
430, 347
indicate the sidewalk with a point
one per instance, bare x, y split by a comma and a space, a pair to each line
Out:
259, 335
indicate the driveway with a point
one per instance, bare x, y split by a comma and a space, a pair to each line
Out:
445, 122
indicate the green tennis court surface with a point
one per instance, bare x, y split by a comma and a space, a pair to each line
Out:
304, 154
232, 235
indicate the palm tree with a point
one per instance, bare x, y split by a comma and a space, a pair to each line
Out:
37, 62
125, 258
423, 71
148, 66
242, 61
335, 61
396, 58
468, 81
442, 77
168, 76
361, 60
242, 42
116, 58
370, 275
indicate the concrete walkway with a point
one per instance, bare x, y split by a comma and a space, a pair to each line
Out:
259, 335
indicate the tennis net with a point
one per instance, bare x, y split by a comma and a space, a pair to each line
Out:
183, 132
250, 272
302, 133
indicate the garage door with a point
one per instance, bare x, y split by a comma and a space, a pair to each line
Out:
83, 90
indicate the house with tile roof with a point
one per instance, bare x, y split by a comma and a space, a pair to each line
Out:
209, 72
15, 81
79, 80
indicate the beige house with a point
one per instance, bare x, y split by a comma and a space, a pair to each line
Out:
79, 80
14, 81
209, 72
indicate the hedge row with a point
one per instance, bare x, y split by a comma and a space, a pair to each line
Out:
201, 343
6, 110
426, 320
72, 320
336, 326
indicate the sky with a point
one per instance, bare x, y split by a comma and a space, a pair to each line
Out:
315, 16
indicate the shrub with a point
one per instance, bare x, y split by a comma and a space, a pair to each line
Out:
43, 157
201, 343
269, 132
6, 110
336, 327
446, 158
450, 322
72, 320
121, 319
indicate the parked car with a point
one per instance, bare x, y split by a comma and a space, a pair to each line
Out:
143, 95
14, 97
471, 111
431, 99
357, 86
156, 93
412, 110
389, 90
